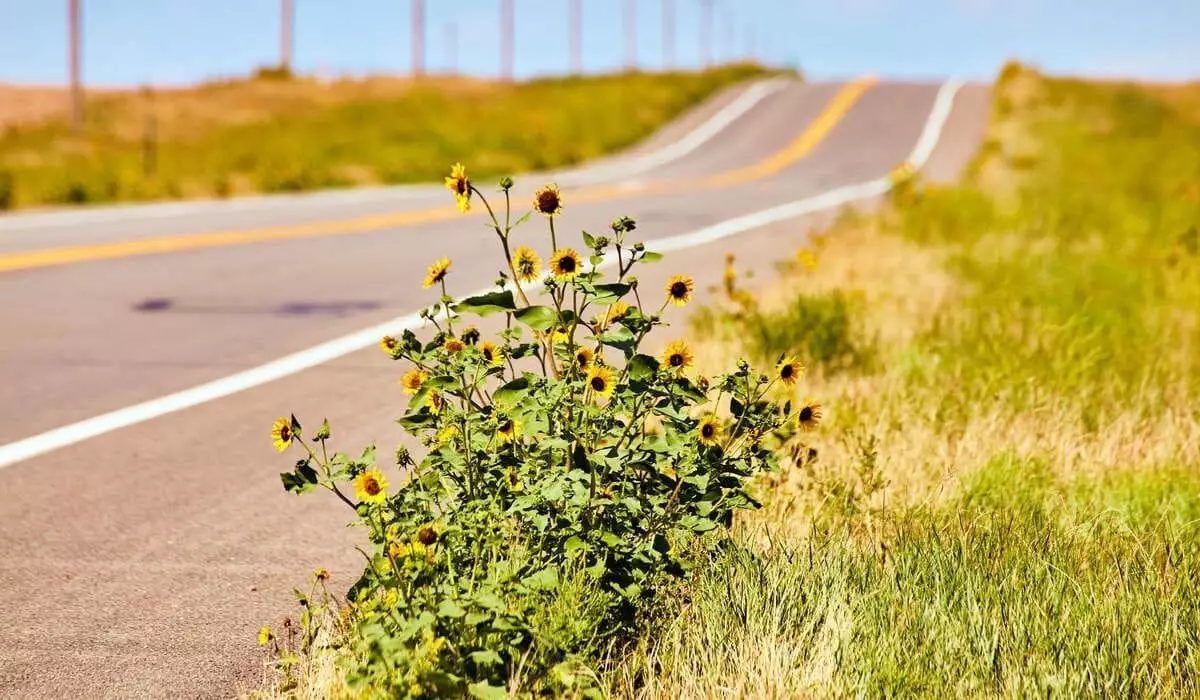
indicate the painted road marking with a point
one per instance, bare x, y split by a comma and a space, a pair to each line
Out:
30, 447
813, 134
697, 137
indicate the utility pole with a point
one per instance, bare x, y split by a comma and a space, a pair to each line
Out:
668, 34
630, 35
73, 28
286, 23
728, 50
452, 47
507, 39
418, 38
706, 31
576, 31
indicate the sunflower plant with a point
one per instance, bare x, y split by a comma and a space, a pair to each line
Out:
554, 450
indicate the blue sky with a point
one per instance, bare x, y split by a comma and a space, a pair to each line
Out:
175, 41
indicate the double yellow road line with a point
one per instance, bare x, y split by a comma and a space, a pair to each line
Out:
816, 132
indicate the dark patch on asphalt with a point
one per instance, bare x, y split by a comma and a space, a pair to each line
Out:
337, 307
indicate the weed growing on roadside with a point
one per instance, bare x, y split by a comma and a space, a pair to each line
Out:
565, 470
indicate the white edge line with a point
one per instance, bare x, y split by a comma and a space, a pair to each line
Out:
48, 441
585, 175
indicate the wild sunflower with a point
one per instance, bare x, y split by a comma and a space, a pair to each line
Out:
507, 429
470, 335
513, 479
677, 357
460, 185
265, 635
565, 263
809, 415
600, 380
548, 200
435, 401
412, 380
612, 314
437, 272
447, 434
583, 358
389, 344
789, 370
526, 264
371, 486
679, 289
283, 432
490, 352
708, 433
453, 345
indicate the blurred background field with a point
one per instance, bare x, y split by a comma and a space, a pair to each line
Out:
1002, 501
276, 133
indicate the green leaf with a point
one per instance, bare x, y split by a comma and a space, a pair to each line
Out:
484, 691
512, 392
490, 600
618, 337
697, 524
485, 304
589, 240
607, 294
486, 657
415, 420
295, 483
474, 619
544, 580
650, 257
449, 608
539, 318
573, 545
642, 367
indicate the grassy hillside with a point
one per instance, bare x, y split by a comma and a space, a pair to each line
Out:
1003, 499
265, 135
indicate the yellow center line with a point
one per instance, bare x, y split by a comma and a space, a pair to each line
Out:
816, 132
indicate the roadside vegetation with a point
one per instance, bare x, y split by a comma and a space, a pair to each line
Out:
280, 134
995, 492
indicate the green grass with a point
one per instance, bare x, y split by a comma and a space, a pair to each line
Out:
280, 135
1005, 501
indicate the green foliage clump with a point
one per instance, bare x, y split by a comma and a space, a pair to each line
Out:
564, 475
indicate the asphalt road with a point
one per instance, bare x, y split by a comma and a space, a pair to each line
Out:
140, 562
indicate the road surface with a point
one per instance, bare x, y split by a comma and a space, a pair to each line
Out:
144, 546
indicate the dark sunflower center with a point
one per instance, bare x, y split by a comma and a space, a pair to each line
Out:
427, 535
567, 264
675, 360
285, 433
582, 359
679, 290
506, 427
806, 414
460, 185
525, 265
547, 202
786, 372
599, 383
371, 486
488, 355
708, 430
